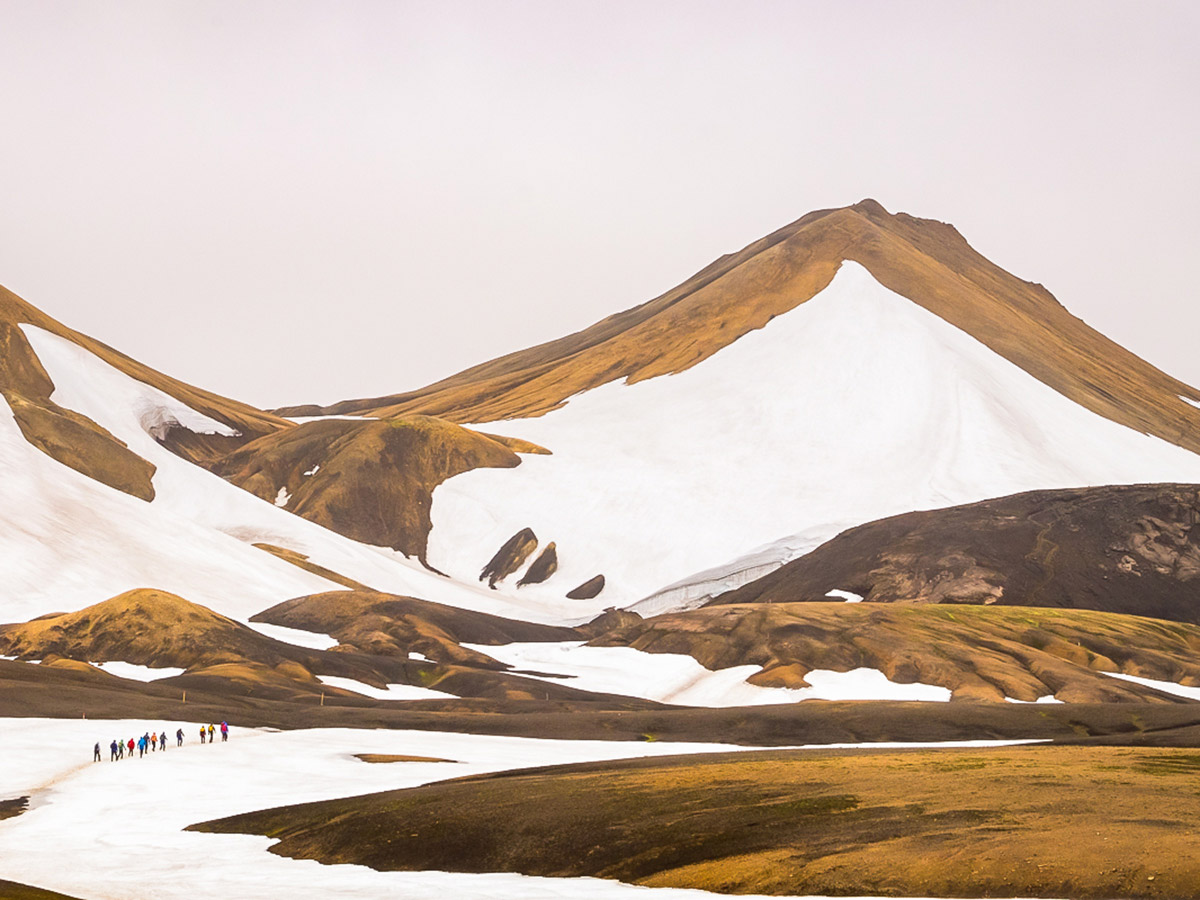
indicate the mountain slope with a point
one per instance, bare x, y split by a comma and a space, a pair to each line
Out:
853, 406
926, 261
1127, 549
84, 445
369, 480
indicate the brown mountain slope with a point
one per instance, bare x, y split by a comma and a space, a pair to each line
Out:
1127, 549
978, 653
369, 480
929, 262
82, 444
145, 627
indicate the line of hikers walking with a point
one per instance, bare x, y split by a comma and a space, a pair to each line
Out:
152, 741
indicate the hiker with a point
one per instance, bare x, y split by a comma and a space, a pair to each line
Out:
224, 731
212, 734
131, 748
202, 734
153, 742
141, 745
112, 749
179, 738
162, 740
96, 752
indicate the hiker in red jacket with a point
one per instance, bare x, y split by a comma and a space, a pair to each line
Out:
224, 731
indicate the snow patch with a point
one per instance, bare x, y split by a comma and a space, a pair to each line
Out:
282, 498
67, 541
680, 679
313, 471
136, 672
297, 636
1195, 403
848, 596
1045, 698
392, 692
1167, 687
75, 803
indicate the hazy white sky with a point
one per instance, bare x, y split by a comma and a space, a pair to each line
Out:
294, 202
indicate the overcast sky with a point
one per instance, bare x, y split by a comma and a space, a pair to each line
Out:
294, 202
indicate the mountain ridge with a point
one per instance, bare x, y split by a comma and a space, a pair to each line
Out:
926, 261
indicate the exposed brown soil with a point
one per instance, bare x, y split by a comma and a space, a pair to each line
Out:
398, 758
1027, 822
11, 890
1127, 549
978, 652
391, 625
929, 262
372, 480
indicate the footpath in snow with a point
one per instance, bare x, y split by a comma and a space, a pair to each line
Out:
119, 824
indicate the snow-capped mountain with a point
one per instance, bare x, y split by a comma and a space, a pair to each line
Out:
850, 366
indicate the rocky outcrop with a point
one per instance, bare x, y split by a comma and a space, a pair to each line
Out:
511, 555
1126, 548
542, 568
589, 589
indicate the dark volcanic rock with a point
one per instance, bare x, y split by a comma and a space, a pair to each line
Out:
1128, 549
509, 557
589, 589
543, 567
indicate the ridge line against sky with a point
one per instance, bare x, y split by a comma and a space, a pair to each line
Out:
302, 202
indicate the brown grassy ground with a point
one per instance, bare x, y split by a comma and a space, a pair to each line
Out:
1027, 822
397, 758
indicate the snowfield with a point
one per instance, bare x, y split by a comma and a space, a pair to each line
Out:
680, 679
856, 405
119, 824
67, 541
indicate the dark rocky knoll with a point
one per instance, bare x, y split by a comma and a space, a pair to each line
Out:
1125, 549
978, 652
